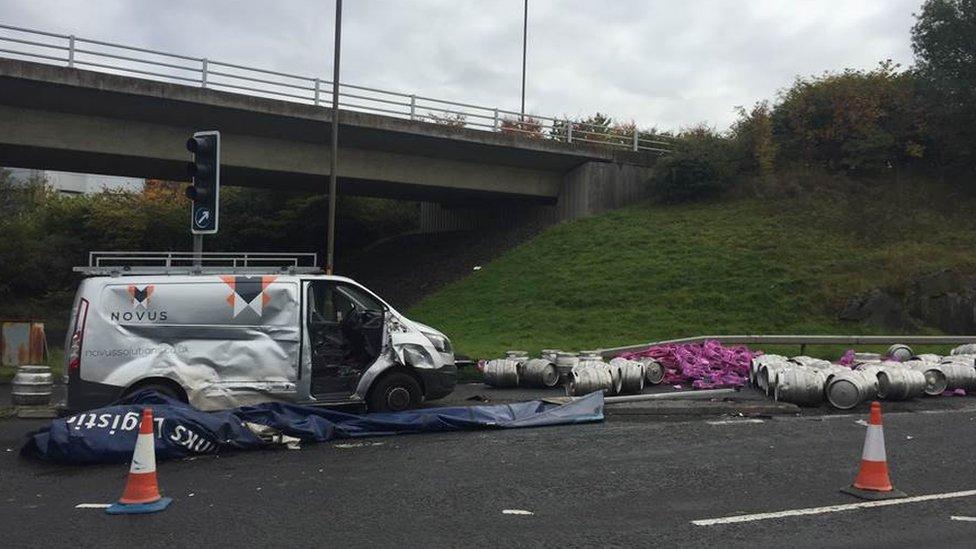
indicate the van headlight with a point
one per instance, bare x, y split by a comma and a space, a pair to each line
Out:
417, 356
441, 343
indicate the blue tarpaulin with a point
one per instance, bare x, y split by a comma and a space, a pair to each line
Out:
108, 435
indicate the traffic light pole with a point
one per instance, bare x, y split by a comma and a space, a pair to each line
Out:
197, 250
334, 165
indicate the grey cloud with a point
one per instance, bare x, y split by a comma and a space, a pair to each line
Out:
664, 63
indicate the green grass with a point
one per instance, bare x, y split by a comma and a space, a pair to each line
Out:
55, 359
651, 272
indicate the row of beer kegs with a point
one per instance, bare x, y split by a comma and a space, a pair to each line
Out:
581, 373
899, 375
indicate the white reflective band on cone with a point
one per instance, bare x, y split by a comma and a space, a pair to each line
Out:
874, 448
144, 456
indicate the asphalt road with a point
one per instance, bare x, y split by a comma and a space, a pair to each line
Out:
617, 483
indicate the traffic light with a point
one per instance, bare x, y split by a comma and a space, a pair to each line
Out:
205, 172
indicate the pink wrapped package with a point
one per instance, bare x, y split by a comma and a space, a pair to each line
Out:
708, 365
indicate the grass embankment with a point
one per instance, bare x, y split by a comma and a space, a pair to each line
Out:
652, 272
55, 359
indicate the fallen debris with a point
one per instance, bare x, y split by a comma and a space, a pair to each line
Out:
708, 365
703, 394
107, 435
859, 377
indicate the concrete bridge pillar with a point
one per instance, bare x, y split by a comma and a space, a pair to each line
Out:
589, 189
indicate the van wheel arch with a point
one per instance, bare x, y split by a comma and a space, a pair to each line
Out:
398, 371
161, 384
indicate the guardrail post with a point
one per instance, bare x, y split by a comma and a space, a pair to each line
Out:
317, 82
71, 51
635, 138
494, 124
413, 106
569, 131
203, 73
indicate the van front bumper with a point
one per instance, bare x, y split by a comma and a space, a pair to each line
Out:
439, 382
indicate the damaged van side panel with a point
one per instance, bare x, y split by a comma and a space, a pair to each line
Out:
227, 340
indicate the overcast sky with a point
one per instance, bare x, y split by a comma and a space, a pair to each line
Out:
664, 63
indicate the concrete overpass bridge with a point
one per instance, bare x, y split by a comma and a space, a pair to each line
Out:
60, 116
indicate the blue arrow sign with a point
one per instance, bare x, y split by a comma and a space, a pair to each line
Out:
202, 218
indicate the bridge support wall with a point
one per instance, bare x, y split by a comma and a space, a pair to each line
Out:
590, 189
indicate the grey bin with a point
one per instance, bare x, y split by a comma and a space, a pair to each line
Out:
900, 352
800, 386
538, 372
845, 390
959, 375
586, 380
32, 386
502, 372
631, 375
565, 363
900, 383
653, 370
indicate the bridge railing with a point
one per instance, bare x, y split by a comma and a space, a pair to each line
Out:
77, 52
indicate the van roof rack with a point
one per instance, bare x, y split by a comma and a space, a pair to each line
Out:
112, 263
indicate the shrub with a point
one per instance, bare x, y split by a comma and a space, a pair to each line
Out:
528, 126
454, 120
701, 166
856, 121
598, 128
752, 137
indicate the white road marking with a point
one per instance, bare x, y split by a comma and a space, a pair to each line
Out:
93, 506
356, 444
967, 410
835, 416
733, 421
516, 512
830, 508
964, 519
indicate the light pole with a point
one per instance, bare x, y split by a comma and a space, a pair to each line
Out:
334, 164
525, 35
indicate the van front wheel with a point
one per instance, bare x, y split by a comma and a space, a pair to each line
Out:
394, 393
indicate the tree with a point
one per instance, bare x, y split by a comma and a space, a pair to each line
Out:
857, 121
944, 41
752, 134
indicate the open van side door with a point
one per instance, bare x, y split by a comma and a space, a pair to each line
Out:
345, 330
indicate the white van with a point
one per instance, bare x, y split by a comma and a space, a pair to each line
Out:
225, 336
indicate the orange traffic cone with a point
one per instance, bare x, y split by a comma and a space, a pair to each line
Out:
872, 480
141, 493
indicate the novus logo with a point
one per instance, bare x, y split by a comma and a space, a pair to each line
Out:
249, 292
139, 300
